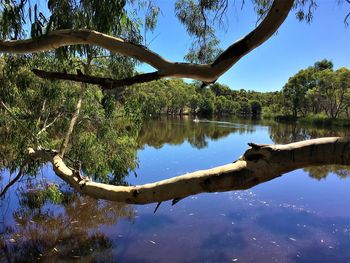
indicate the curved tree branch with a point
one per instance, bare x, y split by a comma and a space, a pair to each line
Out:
205, 72
105, 83
14, 180
258, 164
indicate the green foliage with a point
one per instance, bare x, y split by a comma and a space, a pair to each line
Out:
315, 90
318, 90
199, 18
174, 131
175, 97
295, 90
36, 113
54, 194
66, 226
255, 107
324, 121
116, 18
202, 18
207, 102
245, 108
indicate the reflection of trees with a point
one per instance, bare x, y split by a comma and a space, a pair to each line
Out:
281, 133
321, 172
175, 131
47, 231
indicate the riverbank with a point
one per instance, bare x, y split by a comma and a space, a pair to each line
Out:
320, 121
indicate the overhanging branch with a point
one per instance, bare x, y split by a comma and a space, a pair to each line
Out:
205, 72
105, 83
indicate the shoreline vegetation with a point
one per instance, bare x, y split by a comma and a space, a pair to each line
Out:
317, 120
317, 95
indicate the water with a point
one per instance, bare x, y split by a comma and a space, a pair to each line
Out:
303, 216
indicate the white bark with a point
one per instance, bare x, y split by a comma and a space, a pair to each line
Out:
205, 72
259, 164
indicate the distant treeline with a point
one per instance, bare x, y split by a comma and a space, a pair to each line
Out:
318, 91
174, 96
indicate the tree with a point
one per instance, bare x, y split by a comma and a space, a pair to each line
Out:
255, 107
333, 87
295, 90
258, 164
317, 89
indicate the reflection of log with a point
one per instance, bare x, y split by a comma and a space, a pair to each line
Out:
258, 164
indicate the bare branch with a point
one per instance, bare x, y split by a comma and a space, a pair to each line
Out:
41, 113
50, 124
346, 19
105, 83
14, 180
72, 123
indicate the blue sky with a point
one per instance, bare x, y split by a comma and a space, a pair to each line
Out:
267, 68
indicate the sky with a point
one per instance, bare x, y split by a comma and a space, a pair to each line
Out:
267, 68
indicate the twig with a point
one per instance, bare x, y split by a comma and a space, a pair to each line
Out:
50, 124
155, 210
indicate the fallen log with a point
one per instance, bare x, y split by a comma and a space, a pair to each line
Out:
257, 165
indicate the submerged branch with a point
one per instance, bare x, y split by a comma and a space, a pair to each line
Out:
258, 164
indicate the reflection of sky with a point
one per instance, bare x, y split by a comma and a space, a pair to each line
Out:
293, 218
170, 160
243, 225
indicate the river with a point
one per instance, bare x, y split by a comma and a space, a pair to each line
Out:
302, 216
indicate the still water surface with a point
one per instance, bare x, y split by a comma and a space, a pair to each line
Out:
303, 216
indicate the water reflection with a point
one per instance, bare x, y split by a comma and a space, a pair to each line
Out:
176, 130
227, 227
281, 133
42, 230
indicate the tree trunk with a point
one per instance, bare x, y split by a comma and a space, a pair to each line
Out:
72, 123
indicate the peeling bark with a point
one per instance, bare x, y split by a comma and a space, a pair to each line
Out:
258, 164
207, 73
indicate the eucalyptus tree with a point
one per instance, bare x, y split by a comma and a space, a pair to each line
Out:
82, 26
294, 91
318, 89
54, 109
333, 88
